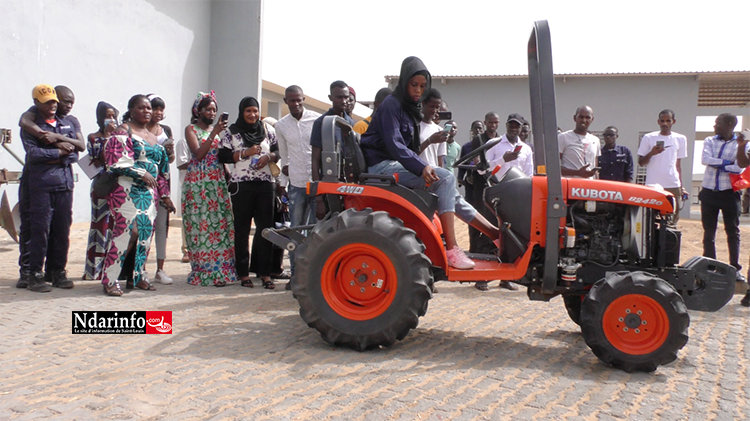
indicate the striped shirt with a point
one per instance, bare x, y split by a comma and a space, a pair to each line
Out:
715, 151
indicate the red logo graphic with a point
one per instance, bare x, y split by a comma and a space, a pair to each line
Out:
159, 322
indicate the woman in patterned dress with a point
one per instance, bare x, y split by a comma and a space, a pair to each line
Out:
142, 167
99, 233
206, 206
249, 145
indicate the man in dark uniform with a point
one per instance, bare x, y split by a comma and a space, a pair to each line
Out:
49, 210
616, 161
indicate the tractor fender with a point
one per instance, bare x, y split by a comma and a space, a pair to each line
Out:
360, 197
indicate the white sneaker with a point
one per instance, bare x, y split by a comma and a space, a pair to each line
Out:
458, 260
162, 278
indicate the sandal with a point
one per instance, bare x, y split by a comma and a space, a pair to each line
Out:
269, 285
220, 284
113, 291
247, 283
144, 285
283, 275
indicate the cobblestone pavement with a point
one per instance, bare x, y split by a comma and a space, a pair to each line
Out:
239, 353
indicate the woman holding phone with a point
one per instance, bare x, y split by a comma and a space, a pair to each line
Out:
391, 145
164, 137
250, 145
206, 207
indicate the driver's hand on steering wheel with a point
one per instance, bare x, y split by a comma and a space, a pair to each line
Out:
429, 175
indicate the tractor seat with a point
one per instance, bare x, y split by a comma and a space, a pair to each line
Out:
426, 202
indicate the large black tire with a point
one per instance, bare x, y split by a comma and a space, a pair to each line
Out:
328, 289
573, 304
634, 321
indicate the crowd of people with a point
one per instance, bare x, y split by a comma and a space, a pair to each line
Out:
235, 175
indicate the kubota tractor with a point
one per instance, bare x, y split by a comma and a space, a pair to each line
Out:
364, 273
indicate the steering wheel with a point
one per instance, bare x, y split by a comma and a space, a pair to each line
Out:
471, 155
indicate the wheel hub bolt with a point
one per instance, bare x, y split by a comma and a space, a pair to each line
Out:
637, 331
643, 322
627, 311
362, 290
351, 283
639, 312
364, 265
625, 329
619, 320
354, 270
374, 272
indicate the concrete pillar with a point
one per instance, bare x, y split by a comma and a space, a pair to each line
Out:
235, 58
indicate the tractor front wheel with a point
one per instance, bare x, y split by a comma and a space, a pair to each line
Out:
362, 279
634, 321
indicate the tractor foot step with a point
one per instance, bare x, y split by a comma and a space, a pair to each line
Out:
485, 257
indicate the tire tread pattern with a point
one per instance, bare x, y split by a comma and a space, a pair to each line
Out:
613, 286
415, 283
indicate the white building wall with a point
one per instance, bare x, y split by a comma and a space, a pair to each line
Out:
111, 50
631, 103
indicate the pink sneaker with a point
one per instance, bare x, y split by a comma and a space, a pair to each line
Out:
458, 260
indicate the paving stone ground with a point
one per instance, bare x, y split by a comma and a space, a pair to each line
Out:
239, 353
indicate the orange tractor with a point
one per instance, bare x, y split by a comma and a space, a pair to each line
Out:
364, 273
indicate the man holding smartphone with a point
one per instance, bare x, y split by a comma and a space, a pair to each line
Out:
432, 137
723, 154
579, 149
661, 153
511, 152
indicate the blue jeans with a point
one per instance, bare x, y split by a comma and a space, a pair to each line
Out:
301, 211
449, 199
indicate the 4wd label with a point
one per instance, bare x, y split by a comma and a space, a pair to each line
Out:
643, 201
595, 194
351, 189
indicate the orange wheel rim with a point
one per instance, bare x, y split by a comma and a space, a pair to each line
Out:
636, 324
359, 281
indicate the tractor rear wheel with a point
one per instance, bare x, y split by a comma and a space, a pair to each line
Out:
634, 321
362, 279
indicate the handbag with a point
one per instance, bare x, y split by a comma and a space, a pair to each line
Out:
104, 183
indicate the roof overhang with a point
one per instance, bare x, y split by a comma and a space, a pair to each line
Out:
717, 89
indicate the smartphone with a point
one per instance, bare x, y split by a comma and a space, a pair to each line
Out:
746, 133
168, 142
224, 116
518, 148
445, 115
447, 128
596, 169
660, 143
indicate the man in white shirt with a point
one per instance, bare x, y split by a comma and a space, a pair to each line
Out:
511, 152
579, 149
432, 137
293, 136
661, 153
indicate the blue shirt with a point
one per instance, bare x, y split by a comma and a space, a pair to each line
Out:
316, 135
45, 169
715, 152
616, 164
389, 136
